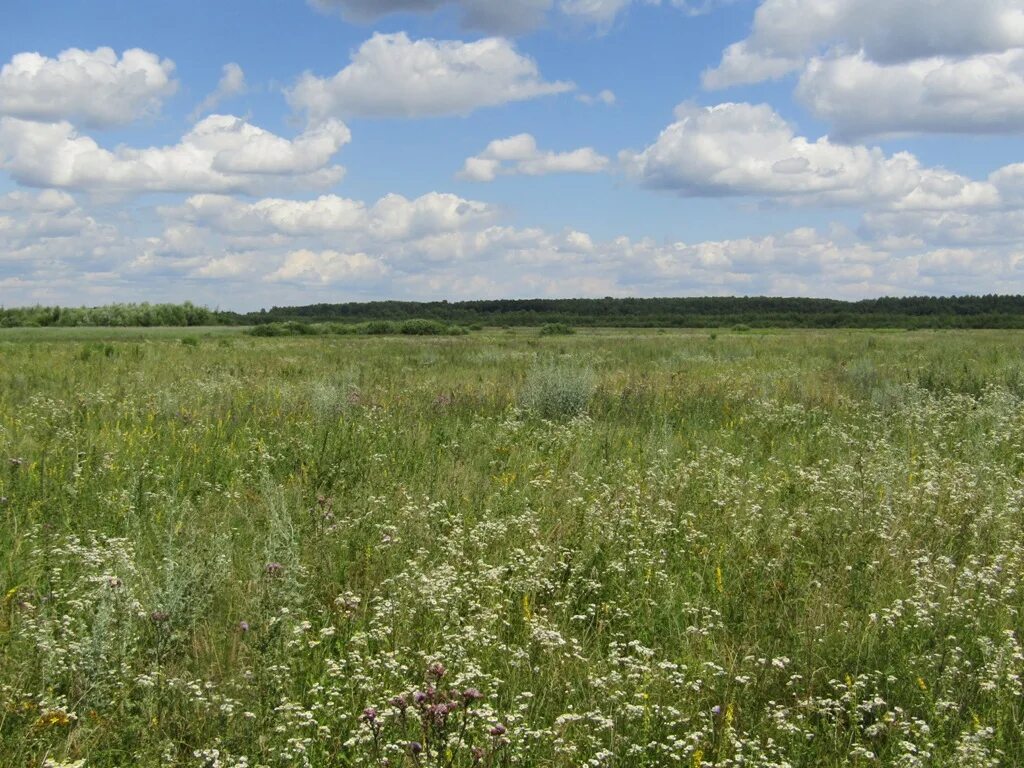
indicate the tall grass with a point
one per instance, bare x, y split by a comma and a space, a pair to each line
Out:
621, 549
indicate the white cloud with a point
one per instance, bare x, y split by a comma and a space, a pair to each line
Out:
980, 94
232, 83
520, 155
274, 251
605, 97
886, 31
875, 67
602, 13
96, 88
221, 153
393, 76
29, 217
327, 267
744, 149
496, 16
336, 219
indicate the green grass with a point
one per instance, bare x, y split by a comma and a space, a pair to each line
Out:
739, 548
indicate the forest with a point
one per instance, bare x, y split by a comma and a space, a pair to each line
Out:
990, 311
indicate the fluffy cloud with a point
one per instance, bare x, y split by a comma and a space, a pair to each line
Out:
442, 246
875, 67
393, 76
93, 87
221, 153
30, 217
232, 83
330, 217
497, 16
980, 94
520, 155
789, 31
744, 149
328, 267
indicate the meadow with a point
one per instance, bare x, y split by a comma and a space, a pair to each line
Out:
616, 548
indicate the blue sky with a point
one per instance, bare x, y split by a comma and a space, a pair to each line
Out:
244, 154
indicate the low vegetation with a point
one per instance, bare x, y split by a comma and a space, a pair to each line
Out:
505, 549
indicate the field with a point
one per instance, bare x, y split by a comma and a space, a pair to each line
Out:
607, 549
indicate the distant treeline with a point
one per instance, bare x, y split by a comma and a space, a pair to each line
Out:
121, 315
719, 312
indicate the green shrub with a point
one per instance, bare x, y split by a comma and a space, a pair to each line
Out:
556, 329
290, 328
377, 328
555, 391
424, 328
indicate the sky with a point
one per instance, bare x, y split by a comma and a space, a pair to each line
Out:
253, 153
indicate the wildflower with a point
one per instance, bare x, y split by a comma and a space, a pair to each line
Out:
159, 617
471, 694
415, 748
419, 697
114, 583
400, 702
437, 670
16, 462
370, 715
243, 626
273, 569
498, 730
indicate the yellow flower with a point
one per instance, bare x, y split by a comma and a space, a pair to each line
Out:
698, 758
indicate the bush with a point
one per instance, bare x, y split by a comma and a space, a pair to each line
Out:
556, 329
377, 328
290, 328
555, 391
424, 328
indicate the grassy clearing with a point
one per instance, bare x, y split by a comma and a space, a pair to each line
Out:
612, 548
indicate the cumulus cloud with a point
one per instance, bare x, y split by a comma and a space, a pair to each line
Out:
232, 83
96, 88
328, 267
221, 153
980, 94
495, 16
887, 32
520, 155
875, 67
749, 150
442, 246
394, 76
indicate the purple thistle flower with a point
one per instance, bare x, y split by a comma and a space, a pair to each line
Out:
370, 715
273, 569
243, 626
159, 617
415, 747
437, 670
498, 730
471, 694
